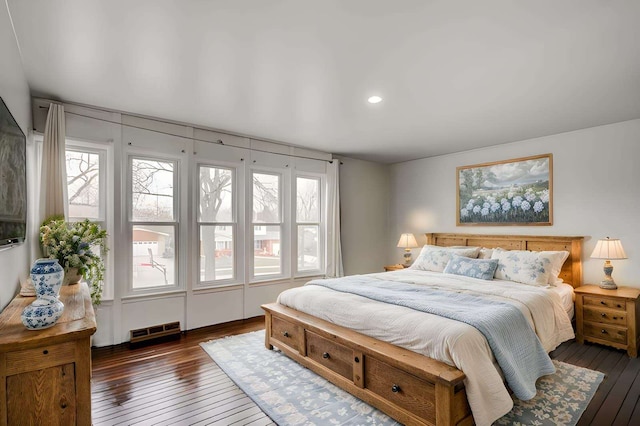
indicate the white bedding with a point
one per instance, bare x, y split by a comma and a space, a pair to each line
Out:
567, 296
452, 342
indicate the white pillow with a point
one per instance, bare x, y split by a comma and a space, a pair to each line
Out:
485, 253
557, 259
435, 258
527, 267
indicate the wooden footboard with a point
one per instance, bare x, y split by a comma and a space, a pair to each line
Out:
411, 388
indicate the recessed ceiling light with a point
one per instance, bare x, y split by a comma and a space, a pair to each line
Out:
374, 99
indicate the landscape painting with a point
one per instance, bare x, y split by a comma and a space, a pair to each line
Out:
510, 192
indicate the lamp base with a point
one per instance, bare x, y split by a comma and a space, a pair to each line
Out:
608, 285
608, 282
407, 257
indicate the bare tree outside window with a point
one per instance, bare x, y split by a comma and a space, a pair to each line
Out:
152, 190
153, 223
308, 219
215, 209
267, 229
83, 184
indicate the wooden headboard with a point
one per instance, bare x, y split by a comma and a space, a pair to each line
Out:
571, 270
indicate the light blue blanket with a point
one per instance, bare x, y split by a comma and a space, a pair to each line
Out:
514, 344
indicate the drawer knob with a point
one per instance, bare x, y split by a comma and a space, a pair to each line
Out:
286, 334
395, 388
45, 352
603, 331
619, 306
602, 302
603, 315
356, 359
326, 355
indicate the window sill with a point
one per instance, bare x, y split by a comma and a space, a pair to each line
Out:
155, 295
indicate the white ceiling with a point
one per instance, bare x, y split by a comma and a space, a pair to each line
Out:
454, 75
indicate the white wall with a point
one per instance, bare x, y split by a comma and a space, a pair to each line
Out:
364, 214
595, 193
15, 262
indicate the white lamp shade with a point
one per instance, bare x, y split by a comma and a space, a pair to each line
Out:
407, 241
609, 249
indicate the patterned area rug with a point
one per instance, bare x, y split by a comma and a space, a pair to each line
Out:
293, 395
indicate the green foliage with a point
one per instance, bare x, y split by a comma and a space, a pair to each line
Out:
77, 245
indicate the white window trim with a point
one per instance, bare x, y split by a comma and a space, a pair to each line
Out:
284, 188
322, 177
178, 284
238, 276
107, 191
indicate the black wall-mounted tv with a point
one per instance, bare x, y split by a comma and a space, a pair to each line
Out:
13, 180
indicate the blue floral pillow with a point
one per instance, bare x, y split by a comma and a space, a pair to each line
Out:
527, 267
435, 258
474, 268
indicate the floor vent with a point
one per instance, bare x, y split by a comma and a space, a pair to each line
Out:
148, 334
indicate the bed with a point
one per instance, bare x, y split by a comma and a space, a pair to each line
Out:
415, 381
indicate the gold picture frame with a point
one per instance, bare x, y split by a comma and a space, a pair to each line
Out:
515, 192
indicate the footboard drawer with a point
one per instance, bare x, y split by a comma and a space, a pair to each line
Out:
400, 388
287, 333
411, 388
336, 357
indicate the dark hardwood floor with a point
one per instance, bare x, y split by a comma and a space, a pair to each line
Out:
176, 383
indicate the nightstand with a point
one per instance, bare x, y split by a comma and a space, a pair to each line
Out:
608, 317
396, 267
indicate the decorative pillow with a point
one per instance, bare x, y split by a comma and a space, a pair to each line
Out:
474, 268
557, 259
485, 253
435, 258
526, 267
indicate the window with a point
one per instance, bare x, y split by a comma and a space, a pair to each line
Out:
153, 222
308, 219
88, 186
85, 186
267, 223
217, 224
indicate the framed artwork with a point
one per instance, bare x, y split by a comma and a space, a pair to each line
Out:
509, 192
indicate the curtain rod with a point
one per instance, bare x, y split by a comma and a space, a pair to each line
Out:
219, 141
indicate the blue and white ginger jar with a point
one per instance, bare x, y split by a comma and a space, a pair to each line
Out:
42, 313
47, 276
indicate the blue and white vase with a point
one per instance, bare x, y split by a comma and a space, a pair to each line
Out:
47, 276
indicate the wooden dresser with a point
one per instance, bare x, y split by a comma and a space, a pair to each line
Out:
608, 317
45, 375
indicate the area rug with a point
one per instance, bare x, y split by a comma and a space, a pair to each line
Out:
291, 394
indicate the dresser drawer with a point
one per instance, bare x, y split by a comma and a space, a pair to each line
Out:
336, 357
605, 316
604, 302
40, 358
606, 332
288, 333
400, 387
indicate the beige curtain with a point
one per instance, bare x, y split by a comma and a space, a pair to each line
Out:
53, 183
334, 248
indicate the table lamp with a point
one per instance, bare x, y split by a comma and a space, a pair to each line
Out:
608, 249
407, 242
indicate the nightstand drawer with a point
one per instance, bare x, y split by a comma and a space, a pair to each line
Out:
606, 302
606, 332
604, 315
